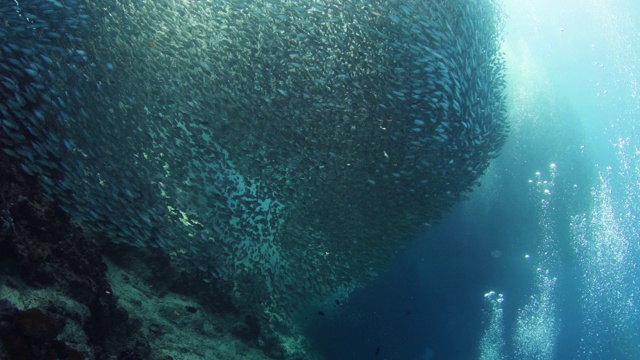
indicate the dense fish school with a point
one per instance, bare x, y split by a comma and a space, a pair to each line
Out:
285, 149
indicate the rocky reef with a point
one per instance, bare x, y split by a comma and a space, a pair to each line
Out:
64, 295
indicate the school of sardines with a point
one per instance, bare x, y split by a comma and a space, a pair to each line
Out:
285, 149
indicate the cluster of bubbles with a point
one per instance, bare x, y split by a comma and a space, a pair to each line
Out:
605, 242
537, 324
492, 344
285, 149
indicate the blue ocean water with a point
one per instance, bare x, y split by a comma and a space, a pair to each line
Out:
542, 261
